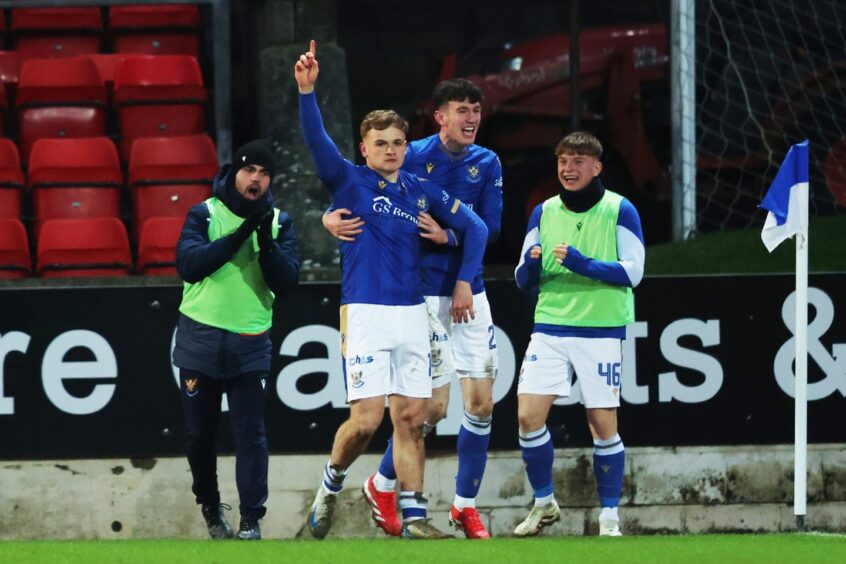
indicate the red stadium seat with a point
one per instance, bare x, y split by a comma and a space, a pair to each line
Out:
57, 98
44, 33
15, 261
165, 29
74, 178
10, 65
158, 97
168, 175
107, 64
157, 246
83, 247
11, 180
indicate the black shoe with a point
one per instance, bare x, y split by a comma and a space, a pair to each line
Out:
219, 527
249, 529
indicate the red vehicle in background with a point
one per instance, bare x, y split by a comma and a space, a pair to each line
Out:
527, 109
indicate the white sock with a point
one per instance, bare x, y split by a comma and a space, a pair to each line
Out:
608, 514
462, 502
333, 478
545, 500
327, 490
383, 484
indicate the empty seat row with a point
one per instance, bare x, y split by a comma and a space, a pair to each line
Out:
153, 96
70, 31
88, 247
82, 178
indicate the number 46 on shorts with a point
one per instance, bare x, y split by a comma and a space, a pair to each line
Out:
611, 372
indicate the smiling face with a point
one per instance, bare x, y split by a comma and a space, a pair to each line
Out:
252, 181
459, 123
576, 171
384, 150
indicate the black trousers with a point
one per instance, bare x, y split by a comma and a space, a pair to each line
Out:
201, 396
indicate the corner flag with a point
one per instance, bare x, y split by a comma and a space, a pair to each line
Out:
789, 188
787, 202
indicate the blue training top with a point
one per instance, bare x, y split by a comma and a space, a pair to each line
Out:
474, 176
382, 265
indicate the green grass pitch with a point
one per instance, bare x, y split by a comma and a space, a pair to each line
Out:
719, 549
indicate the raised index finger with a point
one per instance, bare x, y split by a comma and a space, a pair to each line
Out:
312, 47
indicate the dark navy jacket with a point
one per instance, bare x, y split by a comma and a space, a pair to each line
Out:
215, 352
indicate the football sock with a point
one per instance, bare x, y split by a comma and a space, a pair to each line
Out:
609, 461
462, 502
473, 439
333, 478
538, 455
609, 514
413, 505
383, 484
386, 467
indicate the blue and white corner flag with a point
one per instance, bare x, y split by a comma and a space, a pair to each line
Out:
788, 191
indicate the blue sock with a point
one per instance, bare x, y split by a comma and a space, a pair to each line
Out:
386, 467
473, 439
538, 455
609, 461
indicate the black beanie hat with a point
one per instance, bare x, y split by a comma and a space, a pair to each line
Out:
256, 152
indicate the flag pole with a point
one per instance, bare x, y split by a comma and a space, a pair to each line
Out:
787, 203
800, 470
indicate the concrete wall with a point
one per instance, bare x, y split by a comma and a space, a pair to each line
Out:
680, 490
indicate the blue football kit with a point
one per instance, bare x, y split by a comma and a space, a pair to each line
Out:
383, 265
473, 176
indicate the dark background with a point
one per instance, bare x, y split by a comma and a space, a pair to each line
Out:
395, 51
144, 418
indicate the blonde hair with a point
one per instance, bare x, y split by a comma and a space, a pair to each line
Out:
383, 119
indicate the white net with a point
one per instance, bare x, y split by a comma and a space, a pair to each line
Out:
768, 74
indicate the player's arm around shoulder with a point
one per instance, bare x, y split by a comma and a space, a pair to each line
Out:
467, 227
341, 224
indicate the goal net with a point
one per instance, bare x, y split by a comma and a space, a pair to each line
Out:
768, 74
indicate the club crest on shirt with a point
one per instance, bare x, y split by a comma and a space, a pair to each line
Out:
473, 173
356, 381
429, 167
436, 358
422, 202
192, 387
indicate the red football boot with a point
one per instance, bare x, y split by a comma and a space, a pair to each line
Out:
383, 508
468, 520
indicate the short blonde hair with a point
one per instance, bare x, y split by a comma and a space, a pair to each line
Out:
383, 119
